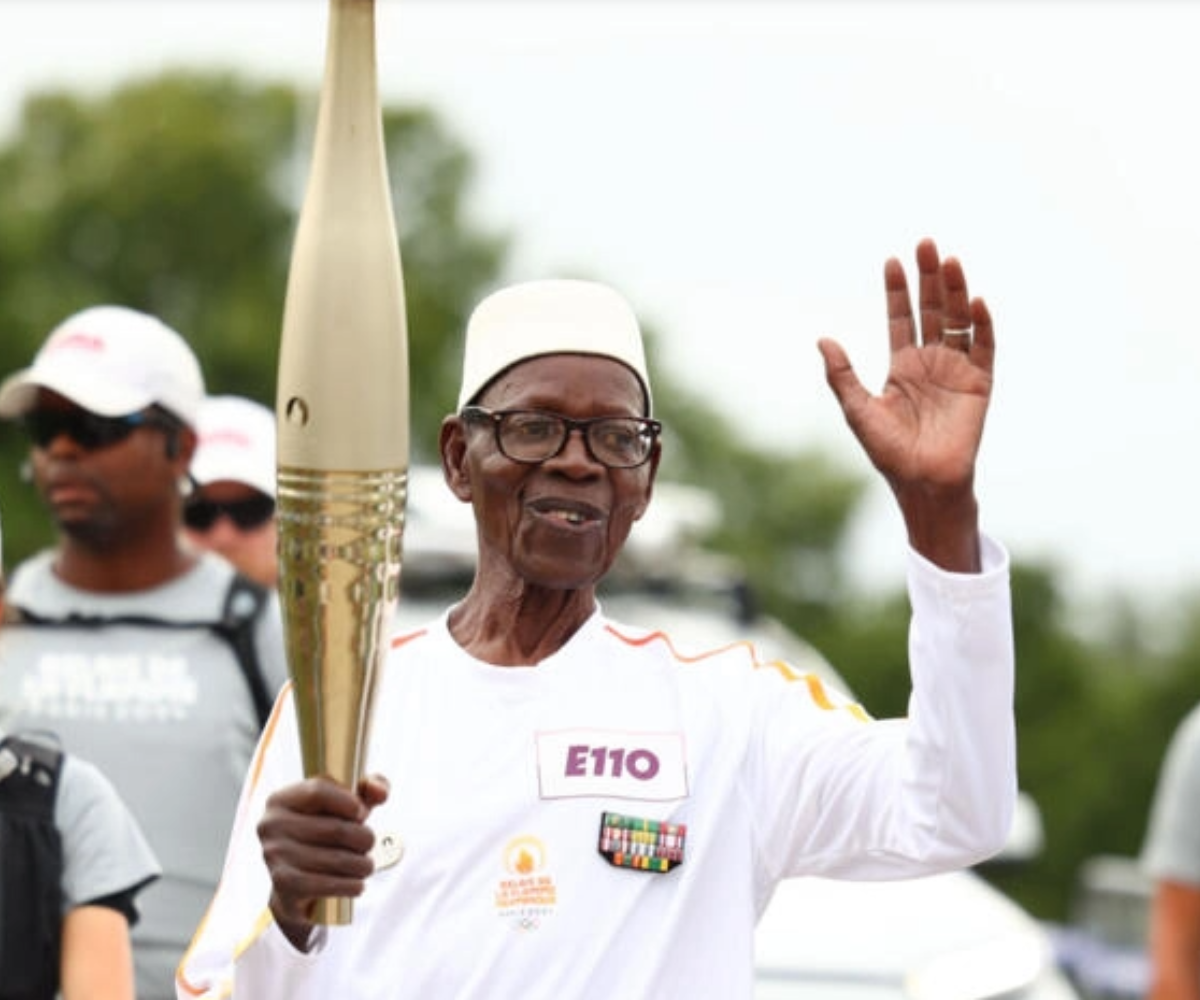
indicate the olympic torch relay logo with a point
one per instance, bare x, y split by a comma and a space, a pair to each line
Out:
526, 893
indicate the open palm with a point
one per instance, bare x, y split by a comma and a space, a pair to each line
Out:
923, 430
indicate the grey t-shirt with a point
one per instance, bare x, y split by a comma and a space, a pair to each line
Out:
1172, 848
164, 713
104, 850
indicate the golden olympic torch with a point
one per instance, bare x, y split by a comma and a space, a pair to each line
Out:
342, 411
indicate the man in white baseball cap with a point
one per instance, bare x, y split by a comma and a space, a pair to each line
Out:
118, 647
231, 510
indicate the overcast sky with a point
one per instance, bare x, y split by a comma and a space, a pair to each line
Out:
742, 169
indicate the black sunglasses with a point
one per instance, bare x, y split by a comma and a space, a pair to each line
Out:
253, 512
88, 430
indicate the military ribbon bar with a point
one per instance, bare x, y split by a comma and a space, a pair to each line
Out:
648, 845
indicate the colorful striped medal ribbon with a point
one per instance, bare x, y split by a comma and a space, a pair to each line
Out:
647, 845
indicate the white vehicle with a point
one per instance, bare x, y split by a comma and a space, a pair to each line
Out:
943, 937
947, 937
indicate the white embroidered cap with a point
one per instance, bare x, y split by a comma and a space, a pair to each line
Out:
553, 316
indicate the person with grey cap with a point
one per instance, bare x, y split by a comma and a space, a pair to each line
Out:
72, 863
562, 805
231, 509
121, 640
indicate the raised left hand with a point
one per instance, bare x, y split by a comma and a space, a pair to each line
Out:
923, 431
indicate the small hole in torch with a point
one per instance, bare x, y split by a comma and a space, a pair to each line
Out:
296, 411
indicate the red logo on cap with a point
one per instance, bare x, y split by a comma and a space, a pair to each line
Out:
78, 341
230, 437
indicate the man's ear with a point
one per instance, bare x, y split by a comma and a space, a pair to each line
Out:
452, 443
180, 445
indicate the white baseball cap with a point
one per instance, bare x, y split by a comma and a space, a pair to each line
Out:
236, 442
111, 360
554, 316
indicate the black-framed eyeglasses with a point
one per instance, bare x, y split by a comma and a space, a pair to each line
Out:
201, 514
533, 436
88, 430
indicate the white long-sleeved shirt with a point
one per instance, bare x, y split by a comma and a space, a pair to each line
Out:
500, 776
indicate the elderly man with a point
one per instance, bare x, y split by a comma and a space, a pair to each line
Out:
566, 806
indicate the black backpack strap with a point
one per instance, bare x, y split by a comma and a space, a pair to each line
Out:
38, 763
244, 603
31, 867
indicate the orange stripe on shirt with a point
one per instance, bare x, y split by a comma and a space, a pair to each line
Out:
255, 772
646, 640
816, 687
400, 640
268, 732
265, 919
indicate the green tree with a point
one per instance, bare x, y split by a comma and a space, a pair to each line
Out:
178, 195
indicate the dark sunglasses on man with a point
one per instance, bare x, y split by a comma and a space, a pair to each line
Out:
88, 430
201, 514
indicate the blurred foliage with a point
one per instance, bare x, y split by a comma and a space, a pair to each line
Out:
177, 195
784, 515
